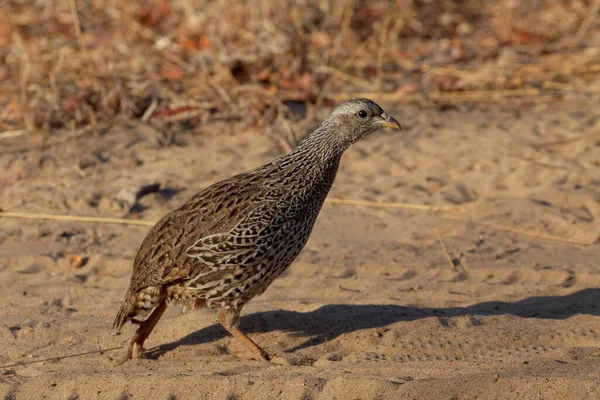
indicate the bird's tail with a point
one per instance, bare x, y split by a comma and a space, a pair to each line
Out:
125, 313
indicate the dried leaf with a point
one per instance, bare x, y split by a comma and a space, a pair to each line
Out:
444, 82
77, 261
193, 44
172, 73
302, 82
5, 33
14, 110
264, 74
520, 37
70, 105
320, 39
203, 43
155, 13
408, 88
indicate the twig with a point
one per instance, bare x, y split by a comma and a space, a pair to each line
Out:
345, 24
452, 71
444, 249
331, 201
587, 23
9, 134
93, 120
60, 357
533, 234
589, 68
286, 141
283, 143
394, 205
82, 132
149, 111
482, 95
381, 51
344, 76
222, 93
570, 88
463, 263
123, 221
77, 26
55, 75
25, 70
522, 231
557, 142
389, 97
75, 218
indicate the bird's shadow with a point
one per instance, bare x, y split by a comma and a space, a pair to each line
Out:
331, 321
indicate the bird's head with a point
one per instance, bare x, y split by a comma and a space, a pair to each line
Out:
362, 114
350, 121
356, 118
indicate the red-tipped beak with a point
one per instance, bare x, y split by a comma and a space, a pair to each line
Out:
389, 121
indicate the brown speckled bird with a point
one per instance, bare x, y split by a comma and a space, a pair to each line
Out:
229, 242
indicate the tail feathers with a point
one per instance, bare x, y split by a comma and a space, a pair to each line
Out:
125, 313
139, 305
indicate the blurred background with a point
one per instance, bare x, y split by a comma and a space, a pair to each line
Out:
77, 63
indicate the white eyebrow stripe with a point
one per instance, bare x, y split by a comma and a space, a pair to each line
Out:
345, 109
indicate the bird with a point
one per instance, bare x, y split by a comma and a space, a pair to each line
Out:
229, 242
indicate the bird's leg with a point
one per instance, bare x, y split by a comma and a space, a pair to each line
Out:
230, 319
135, 347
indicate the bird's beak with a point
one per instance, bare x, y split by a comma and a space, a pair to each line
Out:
389, 121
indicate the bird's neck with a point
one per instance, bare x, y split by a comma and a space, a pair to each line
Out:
324, 145
316, 158
314, 166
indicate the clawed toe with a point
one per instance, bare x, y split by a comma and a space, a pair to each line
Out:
263, 356
137, 351
132, 351
126, 355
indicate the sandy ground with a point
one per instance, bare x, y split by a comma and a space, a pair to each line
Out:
370, 310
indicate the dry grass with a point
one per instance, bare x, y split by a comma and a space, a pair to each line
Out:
186, 62
123, 221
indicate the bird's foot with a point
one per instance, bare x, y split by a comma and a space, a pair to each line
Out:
132, 351
261, 355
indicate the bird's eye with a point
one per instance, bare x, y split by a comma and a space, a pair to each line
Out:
362, 114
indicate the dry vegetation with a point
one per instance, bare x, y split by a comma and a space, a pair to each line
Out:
183, 62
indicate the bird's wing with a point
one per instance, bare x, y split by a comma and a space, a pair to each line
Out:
230, 224
162, 254
215, 256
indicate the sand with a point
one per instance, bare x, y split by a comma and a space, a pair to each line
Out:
371, 309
